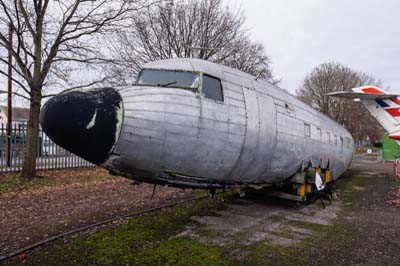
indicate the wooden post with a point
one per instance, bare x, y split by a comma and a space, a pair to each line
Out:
9, 99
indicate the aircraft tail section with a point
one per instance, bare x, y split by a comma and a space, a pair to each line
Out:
384, 106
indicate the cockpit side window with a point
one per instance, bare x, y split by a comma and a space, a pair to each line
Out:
211, 88
169, 78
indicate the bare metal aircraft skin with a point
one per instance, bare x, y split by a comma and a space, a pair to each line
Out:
193, 123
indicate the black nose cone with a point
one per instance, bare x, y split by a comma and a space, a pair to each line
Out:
86, 123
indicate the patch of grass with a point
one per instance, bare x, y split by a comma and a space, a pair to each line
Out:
200, 193
182, 252
146, 240
209, 233
346, 188
301, 254
362, 149
240, 237
264, 253
13, 182
349, 174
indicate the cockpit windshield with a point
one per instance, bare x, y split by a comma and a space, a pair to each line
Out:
169, 78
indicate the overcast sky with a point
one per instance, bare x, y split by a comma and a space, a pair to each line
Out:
300, 34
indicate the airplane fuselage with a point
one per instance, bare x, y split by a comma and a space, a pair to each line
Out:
205, 125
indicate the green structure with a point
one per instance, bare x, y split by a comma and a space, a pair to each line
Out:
390, 148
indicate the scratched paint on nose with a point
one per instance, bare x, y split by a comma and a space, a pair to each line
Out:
91, 123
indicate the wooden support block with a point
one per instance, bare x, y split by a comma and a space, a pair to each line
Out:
302, 190
327, 176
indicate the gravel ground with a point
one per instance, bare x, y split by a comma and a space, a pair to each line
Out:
31, 215
370, 224
361, 228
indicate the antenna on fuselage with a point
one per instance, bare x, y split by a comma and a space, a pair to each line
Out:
200, 52
259, 75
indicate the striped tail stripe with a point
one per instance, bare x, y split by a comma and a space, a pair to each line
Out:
393, 111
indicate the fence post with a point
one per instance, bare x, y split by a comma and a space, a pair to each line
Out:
57, 157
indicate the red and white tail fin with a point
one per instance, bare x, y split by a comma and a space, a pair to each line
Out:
384, 106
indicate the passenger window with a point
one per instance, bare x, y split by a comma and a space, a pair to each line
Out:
335, 139
288, 108
319, 134
328, 134
212, 88
307, 130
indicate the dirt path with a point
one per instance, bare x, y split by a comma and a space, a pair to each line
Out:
33, 214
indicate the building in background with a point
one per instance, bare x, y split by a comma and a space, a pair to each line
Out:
20, 115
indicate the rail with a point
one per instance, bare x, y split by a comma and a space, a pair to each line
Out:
83, 228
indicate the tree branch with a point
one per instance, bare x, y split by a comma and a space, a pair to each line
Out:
26, 18
16, 94
17, 82
81, 86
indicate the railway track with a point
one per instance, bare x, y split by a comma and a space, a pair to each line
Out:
83, 228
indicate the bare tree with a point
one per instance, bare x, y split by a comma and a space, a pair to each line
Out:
55, 42
330, 77
170, 30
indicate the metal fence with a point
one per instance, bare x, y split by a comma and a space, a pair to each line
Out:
49, 155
